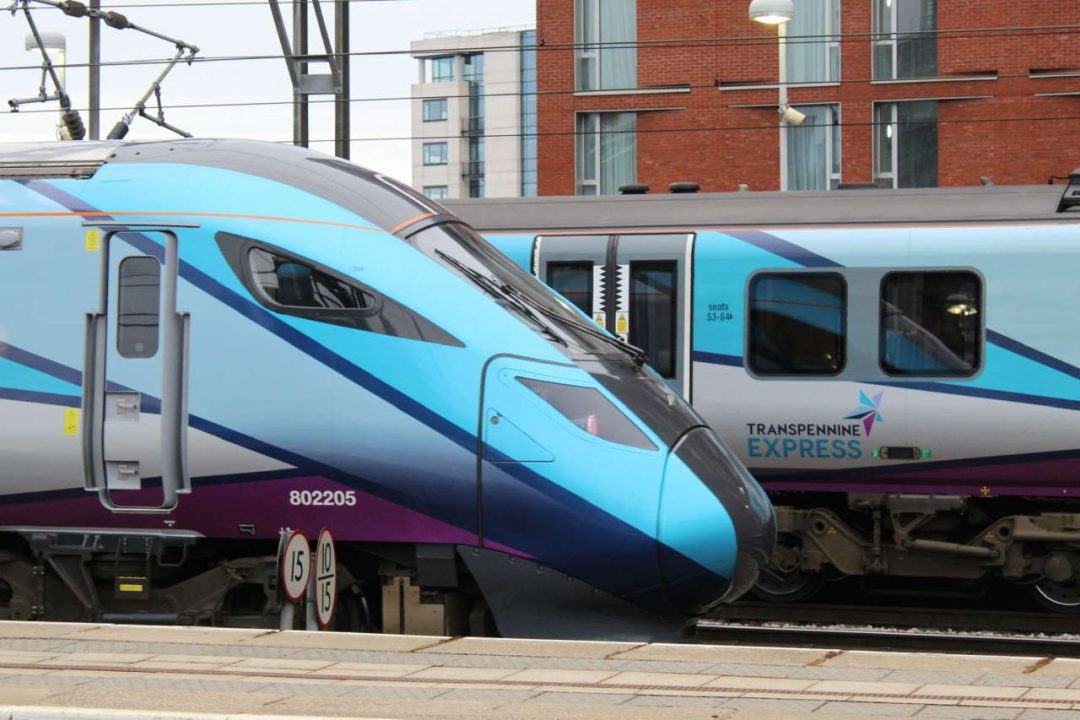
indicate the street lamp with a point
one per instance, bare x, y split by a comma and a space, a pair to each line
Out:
780, 13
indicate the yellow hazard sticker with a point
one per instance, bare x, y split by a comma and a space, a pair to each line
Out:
622, 324
93, 240
599, 319
71, 421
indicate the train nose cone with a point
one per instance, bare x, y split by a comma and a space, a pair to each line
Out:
717, 527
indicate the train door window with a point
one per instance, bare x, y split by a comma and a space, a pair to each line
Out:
797, 324
653, 312
574, 281
139, 307
285, 281
930, 323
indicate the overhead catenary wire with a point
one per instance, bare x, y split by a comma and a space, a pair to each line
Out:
730, 41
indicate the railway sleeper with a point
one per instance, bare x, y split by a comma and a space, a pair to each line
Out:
901, 536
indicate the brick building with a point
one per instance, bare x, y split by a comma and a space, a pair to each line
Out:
897, 92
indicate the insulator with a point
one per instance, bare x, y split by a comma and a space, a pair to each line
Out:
74, 124
73, 8
118, 132
116, 20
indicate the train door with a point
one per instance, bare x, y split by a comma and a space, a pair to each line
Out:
135, 379
636, 286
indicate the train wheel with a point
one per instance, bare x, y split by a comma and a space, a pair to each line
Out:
16, 588
1059, 588
1061, 597
786, 587
783, 580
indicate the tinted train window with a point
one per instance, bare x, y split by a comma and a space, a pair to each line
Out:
293, 284
797, 323
139, 305
653, 313
574, 281
930, 323
592, 412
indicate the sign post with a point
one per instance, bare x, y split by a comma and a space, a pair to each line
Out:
294, 561
325, 579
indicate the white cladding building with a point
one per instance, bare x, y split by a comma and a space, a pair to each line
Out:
474, 115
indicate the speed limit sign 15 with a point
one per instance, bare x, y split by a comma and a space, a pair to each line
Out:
295, 565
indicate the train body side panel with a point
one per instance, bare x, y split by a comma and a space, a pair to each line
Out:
1012, 428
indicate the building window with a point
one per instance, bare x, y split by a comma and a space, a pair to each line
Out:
437, 192
905, 39
813, 47
139, 302
434, 109
906, 144
435, 153
930, 323
606, 152
797, 323
439, 69
814, 149
607, 44
528, 114
473, 72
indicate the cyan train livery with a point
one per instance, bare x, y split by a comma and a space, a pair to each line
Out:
899, 369
204, 342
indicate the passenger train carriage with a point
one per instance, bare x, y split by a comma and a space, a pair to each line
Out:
205, 343
899, 369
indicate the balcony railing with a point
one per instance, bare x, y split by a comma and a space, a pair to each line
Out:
473, 170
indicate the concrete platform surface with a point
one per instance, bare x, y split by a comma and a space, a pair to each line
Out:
60, 671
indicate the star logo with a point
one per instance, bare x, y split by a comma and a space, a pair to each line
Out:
868, 411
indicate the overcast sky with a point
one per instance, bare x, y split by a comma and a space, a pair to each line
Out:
241, 29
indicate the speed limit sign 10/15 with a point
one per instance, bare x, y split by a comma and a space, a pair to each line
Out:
325, 579
295, 565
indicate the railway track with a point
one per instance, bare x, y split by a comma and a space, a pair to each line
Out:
849, 638
899, 628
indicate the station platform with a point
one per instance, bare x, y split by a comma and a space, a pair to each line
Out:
107, 672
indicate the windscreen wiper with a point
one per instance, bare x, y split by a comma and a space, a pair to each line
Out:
637, 354
499, 290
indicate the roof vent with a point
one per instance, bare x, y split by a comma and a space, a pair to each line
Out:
683, 187
633, 189
1071, 197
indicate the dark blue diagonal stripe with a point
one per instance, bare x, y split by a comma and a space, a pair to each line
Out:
783, 248
40, 398
1032, 354
41, 364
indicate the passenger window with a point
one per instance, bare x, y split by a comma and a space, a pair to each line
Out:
592, 412
797, 323
930, 323
653, 313
138, 307
574, 281
288, 282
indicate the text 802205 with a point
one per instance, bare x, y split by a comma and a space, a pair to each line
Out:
323, 498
